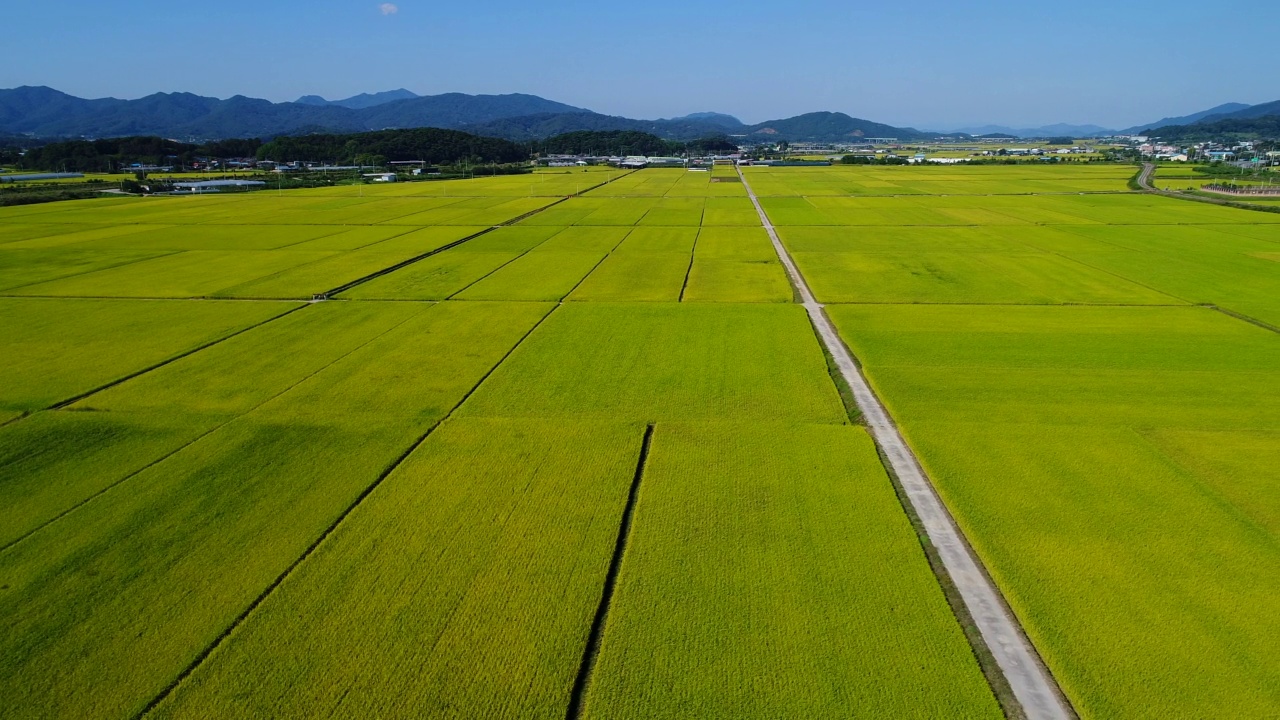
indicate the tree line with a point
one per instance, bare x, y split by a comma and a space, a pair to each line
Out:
116, 154
629, 142
430, 145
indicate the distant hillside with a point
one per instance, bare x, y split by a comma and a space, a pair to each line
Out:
828, 127
1251, 122
430, 144
44, 112
1223, 109
116, 153
1229, 129
47, 113
458, 111
627, 142
545, 125
1253, 111
361, 101
728, 122
1044, 131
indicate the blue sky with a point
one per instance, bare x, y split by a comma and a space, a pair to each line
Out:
935, 64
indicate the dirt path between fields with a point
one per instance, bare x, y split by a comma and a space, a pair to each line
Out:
1032, 685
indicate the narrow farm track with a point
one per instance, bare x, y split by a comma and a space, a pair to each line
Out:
1032, 685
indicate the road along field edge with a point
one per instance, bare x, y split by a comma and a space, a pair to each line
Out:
1033, 686
1143, 182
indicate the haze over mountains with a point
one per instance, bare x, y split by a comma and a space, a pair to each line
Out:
47, 113
1226, 110
1058, 130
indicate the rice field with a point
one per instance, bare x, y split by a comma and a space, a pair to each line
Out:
781, 542
563, 445
1090, 381
1115, 467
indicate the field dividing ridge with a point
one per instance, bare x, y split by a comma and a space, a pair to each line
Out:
1032, 685
436, 251
175, 358
591, 652
328, 531
423, 256
205, 432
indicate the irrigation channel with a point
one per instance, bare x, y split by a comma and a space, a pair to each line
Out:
1032, 685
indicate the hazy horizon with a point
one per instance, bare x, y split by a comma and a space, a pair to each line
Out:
1007, 64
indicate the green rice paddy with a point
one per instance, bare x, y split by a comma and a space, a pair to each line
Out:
562, 445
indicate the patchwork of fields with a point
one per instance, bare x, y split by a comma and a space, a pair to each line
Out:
562, 445
407, 500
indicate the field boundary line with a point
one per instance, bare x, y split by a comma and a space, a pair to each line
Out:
1067, 229
693, 254
418, 258
565, 298
64, 403
1242, 317
1033, 686
460, 199
158, 298
591, 652
335, 253
116, 266
485, 276
345, 228
324, 535
218, 426
415, 259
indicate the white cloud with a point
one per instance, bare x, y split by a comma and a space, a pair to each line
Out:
388, 9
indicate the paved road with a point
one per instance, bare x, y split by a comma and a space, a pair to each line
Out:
1144, 177
1149, 171
1032, 685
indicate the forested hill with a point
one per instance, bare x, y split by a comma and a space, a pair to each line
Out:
1260, 128
114, 154
42, 112
829, 126
629, 142
429, 144
432, 145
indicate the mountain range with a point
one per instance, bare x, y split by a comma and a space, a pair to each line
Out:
1058, 130
43, 112
1226, 111
47, 113
361, 101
